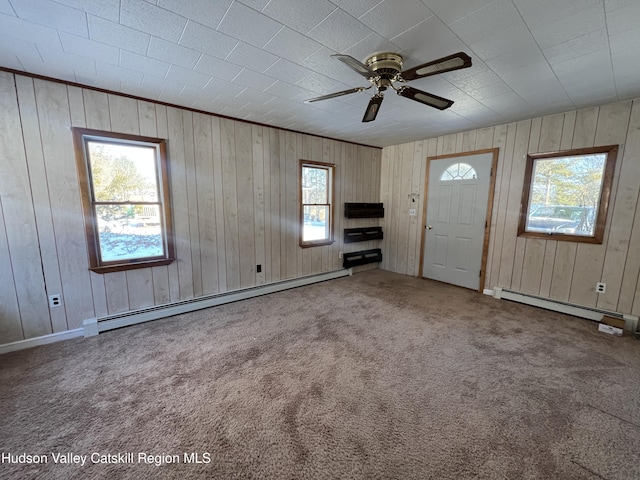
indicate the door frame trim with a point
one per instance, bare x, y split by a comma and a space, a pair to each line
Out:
487, 230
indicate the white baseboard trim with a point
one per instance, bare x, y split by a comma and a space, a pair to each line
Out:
595, 314
43, 340
486, 291
93, 326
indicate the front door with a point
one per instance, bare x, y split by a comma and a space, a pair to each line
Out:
457, 206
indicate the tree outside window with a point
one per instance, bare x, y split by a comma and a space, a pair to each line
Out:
566, 194
124, 188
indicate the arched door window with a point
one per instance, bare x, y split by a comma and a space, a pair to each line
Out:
459, 171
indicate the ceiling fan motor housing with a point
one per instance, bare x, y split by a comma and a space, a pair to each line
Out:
387, 65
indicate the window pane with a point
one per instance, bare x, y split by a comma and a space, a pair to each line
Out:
565, 194
129, 231
315, 225
314, 185
123, 173
458, 171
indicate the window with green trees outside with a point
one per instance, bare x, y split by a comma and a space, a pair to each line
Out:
566, 194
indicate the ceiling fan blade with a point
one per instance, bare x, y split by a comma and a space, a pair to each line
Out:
336, 94
426, 98
445, 64
372, 108
356, 65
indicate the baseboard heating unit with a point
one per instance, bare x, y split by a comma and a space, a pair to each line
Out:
93, 326
630, 321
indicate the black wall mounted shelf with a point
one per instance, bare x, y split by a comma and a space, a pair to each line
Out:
363, 210
352, 235
363, 257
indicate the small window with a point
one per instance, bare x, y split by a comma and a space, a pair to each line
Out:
316, 207
125, 196
566, 194
459, 171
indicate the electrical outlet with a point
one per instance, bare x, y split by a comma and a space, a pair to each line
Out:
339, 254
55, 300
601, 287
412, 212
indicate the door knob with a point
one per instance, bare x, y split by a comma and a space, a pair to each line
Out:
429, 227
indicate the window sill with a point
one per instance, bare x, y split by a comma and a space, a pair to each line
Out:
562, 237
316, 244
120, 267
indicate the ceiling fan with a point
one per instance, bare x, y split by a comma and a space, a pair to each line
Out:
384, 69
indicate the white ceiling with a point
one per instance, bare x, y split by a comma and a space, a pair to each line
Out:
260, 59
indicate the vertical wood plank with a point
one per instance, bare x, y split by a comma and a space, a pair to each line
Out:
285, 228
218, 195
385, 189
147, 119
396, 206
274, 213
202, 132
268, 234
406, 170
484, 138
192, 201
96, 106
55, 123
499, 140
338, 210
230, 199
123, 112
459, 141
257, 141
521, 243
625, 195
469, 141
41, 204
19, 217
165, 278
532, 265
629, 300
115, 285
10, 322
449, 144
180, 202
414, 202
246, 214
501, 196
508, 253
291, 205
140, 288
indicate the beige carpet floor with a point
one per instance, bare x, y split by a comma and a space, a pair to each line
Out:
375, 376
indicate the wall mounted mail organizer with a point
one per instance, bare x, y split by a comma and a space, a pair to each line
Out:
352, 235
363, 210
361, 258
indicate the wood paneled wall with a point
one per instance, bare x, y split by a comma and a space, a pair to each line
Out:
234, 192
563, 271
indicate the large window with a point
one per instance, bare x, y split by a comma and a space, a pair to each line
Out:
566, 194
316, 208
125, 195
